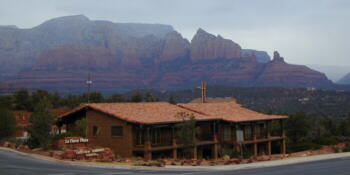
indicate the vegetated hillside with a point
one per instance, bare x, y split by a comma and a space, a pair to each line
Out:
333, 103
60, 53
316, 102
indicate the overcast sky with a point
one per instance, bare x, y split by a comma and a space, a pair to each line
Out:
303, 31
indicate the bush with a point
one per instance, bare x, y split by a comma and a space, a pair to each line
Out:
347, 147
332, 140
246, 152
13, 140
336, 149
303, 146
230, 151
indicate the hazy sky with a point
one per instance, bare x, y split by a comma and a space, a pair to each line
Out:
303, 31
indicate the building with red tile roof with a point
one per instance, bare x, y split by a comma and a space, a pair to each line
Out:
22, 118
149, 129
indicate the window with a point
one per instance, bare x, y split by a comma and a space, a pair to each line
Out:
139, 137
155, 136
94, 131
248, 132
117, 131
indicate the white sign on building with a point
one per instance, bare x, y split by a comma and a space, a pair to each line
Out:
240, 136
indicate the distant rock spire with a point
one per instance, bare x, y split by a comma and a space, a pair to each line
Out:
277, 57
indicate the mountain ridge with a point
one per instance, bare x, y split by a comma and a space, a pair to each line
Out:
345, 79
61, 52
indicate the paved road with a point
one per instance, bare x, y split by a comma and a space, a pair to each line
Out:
12, 163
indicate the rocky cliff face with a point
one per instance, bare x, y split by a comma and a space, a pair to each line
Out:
207, 46
21, 48
174, 47
261, 56
60, 53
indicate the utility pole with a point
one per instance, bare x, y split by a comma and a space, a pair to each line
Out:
88, 82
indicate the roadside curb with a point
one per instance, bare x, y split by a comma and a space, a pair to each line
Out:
264, 164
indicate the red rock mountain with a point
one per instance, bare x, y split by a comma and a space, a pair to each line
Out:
60, 53
207, 46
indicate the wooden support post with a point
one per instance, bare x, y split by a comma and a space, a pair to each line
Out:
269, 148
252, 130
284, 150
216, 147
268, 127
148, 152
255, 146
284, 146
195, 153
281, 125
175, 154
255, 151
174, 149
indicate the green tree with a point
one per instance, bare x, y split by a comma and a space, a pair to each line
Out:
331, 124
38, 95
298, 127
186, 132
41, 121
94, 97
116, 98
56, 100
22, 100
344, 127
137, 97
71, 101
7, 102
7, 123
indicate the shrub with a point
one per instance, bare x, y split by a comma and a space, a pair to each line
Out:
332, 140
226, 157
302, 146
347, 147
336, 149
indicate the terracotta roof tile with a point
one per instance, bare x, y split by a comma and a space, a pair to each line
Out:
229, 111
146, 113
162, 112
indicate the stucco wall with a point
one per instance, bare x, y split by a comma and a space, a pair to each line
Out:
121, 146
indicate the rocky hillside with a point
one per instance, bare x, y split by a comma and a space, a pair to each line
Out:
60, 53
345, 79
